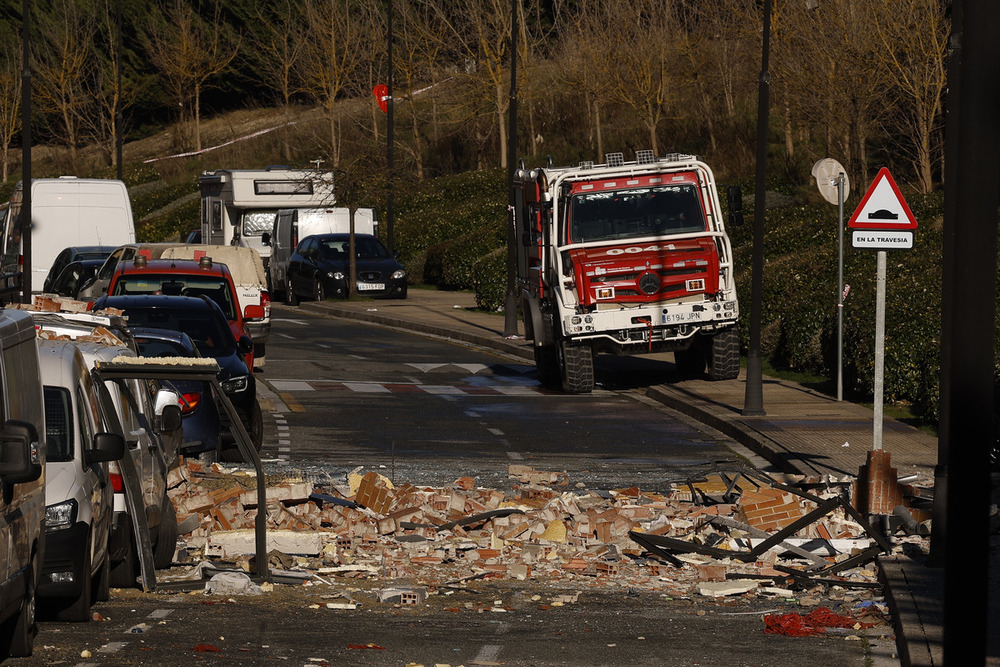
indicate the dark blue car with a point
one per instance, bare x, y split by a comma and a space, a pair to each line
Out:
320, 268
202, 319
201, 423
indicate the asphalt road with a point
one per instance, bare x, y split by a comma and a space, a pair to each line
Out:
428, 411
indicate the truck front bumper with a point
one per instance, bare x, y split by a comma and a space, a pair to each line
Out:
658, 323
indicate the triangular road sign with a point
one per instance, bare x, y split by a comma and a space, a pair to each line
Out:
883, 207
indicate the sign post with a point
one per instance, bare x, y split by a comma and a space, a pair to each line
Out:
883, 222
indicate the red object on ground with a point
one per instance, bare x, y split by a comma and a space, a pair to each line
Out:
365, 646
813, 623
206, 648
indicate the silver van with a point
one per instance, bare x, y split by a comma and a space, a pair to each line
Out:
22, 482
78, 495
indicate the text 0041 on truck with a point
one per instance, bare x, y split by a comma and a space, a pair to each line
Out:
625, 258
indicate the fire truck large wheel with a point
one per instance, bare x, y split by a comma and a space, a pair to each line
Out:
724, 361
547, 365
576, 367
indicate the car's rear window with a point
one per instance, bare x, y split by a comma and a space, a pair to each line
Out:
211, 336
156, 347
178, 284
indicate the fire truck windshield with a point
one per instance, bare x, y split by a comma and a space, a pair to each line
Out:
637, 213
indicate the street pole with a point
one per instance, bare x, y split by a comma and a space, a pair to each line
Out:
510, 296
753, 401
26, 153
840, 287
879, 350
120, 170
390, 158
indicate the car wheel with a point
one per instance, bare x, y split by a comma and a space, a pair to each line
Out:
17, 635
77, 609
166, 538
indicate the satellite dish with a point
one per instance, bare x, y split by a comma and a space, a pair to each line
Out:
826, 172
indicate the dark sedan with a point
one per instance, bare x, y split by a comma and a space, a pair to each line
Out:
320, 267
201, 424
74, 276
202, 319
74, 254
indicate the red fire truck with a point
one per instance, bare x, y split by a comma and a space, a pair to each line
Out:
625, 258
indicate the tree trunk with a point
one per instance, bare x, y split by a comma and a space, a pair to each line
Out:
501, 126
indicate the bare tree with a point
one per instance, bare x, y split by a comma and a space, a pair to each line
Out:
480, 34
331, 58
110, 93
279, 48
10, 99
913, 35
645, 67
63, 63
189, 53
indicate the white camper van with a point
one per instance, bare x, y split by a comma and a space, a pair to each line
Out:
65, 211
291, 225
238, 205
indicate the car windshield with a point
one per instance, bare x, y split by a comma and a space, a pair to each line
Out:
179, 284
637, 213
210, 335
256, 223
365, 248
58, 425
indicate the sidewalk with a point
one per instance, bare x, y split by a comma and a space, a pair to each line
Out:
802, 432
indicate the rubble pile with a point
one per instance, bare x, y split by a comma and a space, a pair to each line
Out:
368, 527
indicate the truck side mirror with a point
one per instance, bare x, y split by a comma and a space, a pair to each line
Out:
734, 196
265, 238
253, 313
107, 447
20, 455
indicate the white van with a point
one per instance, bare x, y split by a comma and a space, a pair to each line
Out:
65, 211
294, 224
79, 499
22, 503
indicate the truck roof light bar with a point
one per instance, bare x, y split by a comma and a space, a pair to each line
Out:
614, 159
645, 157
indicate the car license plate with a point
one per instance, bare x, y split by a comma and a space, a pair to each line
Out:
370, 286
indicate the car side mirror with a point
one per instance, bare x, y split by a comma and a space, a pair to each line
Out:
245, 343
20, 453
168, 411
253, 313
265, 238
107, 447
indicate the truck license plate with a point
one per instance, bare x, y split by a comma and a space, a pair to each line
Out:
370, 286
681, 317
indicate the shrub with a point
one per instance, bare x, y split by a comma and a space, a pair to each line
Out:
489, 280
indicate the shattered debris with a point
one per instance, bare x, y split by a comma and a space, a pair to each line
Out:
720, 535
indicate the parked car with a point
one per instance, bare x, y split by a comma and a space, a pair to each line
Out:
293, 224
201, 423
194, 236
202, 320
94, 253
320, 267
247, 269
138, 412
188, 277
73, 276
98, 285
79, 500
22, 503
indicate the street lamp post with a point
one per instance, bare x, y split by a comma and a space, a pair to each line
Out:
753, 401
